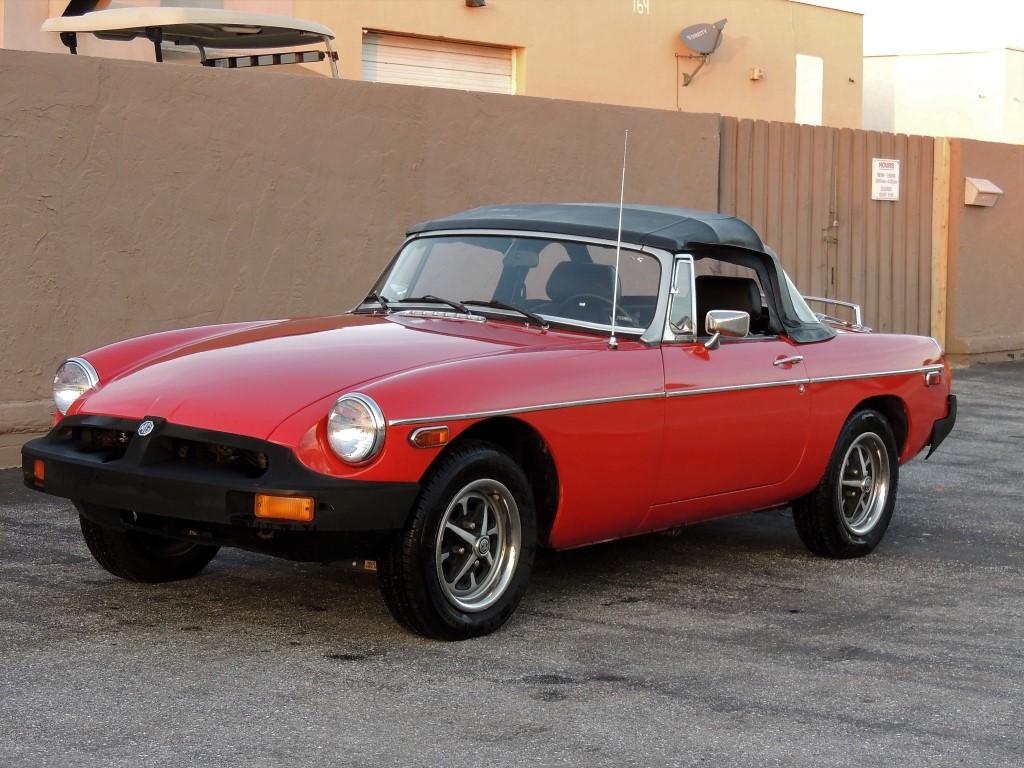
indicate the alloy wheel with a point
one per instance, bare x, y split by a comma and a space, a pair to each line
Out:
864, 483
478, 545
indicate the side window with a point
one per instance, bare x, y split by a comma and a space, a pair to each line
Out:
721, 285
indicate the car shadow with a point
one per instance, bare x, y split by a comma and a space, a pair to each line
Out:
333, 607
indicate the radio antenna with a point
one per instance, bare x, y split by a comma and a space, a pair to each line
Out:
613, 343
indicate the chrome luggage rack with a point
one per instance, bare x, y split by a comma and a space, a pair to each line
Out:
857, 318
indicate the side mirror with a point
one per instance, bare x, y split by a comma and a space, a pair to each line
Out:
725, 322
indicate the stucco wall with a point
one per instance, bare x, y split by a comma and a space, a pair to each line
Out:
971, 95
604, 51
985, 292
136, 197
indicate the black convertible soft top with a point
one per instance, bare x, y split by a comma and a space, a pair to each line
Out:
673, 229
700, 233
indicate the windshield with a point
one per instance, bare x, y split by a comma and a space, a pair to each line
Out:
562, 281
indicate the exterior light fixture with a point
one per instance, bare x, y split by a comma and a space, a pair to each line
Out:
476, 3
981, 192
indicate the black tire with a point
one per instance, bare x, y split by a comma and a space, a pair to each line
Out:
144, 557
411, 573
823, 517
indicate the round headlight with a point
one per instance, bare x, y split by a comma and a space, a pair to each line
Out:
355, 428
73, 379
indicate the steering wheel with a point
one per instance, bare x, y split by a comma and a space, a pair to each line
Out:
599, 313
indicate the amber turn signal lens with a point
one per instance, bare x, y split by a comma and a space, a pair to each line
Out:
429, 437
39, 471
297, 508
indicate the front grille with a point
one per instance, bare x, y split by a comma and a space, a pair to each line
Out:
216, 455
109, 444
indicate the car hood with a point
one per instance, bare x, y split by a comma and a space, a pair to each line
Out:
249, 381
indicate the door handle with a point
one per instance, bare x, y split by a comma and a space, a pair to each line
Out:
789, 360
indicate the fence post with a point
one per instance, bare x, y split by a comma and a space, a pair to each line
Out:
940, 238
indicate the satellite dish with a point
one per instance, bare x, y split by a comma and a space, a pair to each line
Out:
703, 39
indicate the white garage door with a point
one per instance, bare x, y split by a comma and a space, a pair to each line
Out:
440, 63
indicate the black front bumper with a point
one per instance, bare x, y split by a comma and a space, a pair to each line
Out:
201, 477
942, 427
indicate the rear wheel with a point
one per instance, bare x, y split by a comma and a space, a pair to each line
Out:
144, 557
462, 563
848, 513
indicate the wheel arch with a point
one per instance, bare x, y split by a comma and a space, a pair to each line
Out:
529, 449
895, 412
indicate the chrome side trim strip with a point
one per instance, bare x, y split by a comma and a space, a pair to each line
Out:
736, 387
654, 395
525, 409
875, 375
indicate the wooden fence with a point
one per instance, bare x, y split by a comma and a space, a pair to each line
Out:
807, 190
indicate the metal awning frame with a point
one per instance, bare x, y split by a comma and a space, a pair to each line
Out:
156, 36
204, 28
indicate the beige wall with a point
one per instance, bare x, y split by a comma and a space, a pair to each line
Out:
985, 294
601, 50
136, 197
585, 50
972, 95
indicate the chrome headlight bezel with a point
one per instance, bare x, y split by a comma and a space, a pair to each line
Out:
75, 374
374, 418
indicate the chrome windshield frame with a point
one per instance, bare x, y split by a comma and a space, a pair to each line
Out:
669, 336
652, 334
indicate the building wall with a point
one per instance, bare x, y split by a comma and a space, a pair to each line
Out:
602, 50
977, 95
1013, 97
586, 50
985, 292
136, 197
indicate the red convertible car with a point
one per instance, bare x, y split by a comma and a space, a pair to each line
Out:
519, 376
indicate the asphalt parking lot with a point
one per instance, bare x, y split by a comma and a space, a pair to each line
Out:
726, 645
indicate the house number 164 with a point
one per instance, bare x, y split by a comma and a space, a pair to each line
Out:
643, 7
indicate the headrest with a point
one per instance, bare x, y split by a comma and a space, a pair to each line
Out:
720, 292
570, 278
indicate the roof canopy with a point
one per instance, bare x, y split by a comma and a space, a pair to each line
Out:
673, 229
202, 27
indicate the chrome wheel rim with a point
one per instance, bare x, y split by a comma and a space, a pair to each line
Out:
864, 483
478, 544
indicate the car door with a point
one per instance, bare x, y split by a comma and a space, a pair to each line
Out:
736, 416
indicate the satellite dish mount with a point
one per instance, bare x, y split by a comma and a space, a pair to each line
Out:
703, 40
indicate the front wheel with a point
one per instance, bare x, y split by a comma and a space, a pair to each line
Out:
848, 513
462, 563
142, 556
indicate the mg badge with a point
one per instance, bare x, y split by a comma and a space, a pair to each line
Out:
145, 428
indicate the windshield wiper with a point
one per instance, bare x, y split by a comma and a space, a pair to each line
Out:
430, 298
374, 296
494, 304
